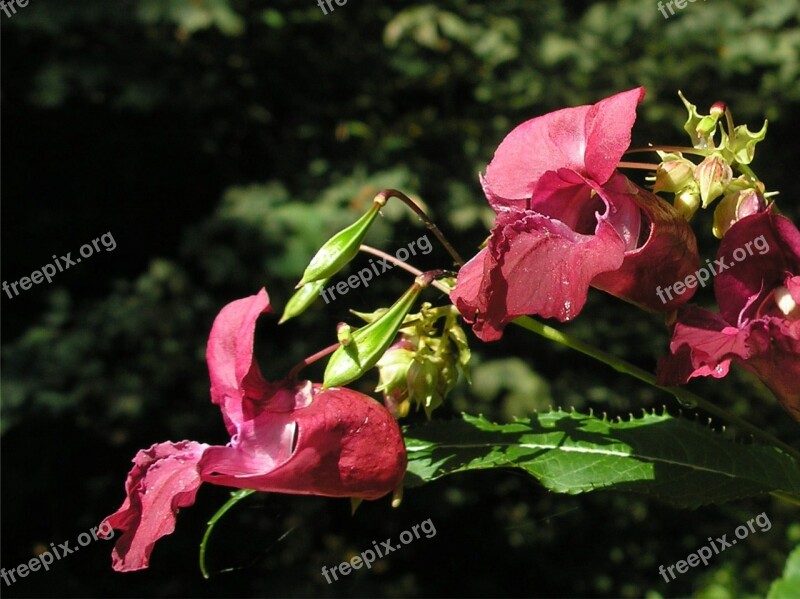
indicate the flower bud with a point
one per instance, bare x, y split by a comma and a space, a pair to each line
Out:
393, 366
734, 207
687, 202
423, 384
717, 109
674, 175
368, 343
302, 299
340, 249
712, 175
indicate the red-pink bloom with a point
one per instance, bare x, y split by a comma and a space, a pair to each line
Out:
567, 220
286, 437
758, 325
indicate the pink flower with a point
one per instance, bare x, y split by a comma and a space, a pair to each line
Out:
758, 325
286, 437
567, 220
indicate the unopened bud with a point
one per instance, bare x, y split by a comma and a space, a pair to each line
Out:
674, 175
713, 175
717, 109
734, 207
687, 202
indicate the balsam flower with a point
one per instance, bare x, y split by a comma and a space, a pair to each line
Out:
286, 437
567, 220
758, 325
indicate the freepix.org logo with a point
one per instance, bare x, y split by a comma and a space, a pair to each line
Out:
703, 275
376, 269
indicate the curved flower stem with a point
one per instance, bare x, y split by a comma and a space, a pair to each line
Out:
394, 193
686, 398
236, 497
407, 267
311, 359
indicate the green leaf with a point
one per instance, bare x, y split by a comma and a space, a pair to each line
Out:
788, 587
678, 461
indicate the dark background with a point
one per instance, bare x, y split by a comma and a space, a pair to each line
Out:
220, 142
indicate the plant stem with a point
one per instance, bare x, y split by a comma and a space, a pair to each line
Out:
394, 193
682, 395
644, 166
236, 497
407, 267
311, 359
672, 149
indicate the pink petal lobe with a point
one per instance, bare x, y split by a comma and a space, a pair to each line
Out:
533, 265
342, 444
163, 479
234, 374
703, 344
589, 140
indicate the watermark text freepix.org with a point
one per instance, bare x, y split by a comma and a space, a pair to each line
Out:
719, 545
679, 4
322, 3
364, 276
702, 275
7, 6
48, 271
45, 559
368, 556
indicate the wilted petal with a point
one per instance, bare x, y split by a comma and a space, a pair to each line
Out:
164, 478
342, 444
589, 140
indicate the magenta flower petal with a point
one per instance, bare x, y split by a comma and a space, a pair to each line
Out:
566, 219
775, 359
164, 479
234, 374
532, 265
286, 437
589, 140
759, 323
340, 444
668, 255
770, 246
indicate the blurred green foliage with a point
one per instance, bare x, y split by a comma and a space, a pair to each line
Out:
137, 116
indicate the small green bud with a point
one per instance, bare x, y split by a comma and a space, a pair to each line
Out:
674, 174
701, 134
302, 299
423, 383
393, 367
368, 343
687, 202
341, 248
344, 333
